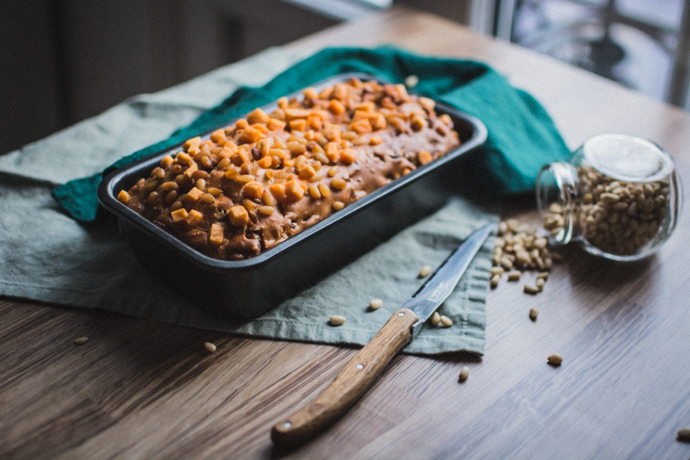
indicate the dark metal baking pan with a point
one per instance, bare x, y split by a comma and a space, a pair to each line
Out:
248, 288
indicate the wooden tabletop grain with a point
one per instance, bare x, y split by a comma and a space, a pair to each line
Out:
141, 389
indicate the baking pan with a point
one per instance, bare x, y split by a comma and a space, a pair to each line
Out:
247, 288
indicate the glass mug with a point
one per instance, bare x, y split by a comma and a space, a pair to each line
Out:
618, 196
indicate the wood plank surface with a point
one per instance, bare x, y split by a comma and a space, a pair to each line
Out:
140, 389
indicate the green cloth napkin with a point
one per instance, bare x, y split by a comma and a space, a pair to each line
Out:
522, 137
48, 256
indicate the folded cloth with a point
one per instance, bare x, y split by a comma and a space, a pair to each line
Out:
48, 256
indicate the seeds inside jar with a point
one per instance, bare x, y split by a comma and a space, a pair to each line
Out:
615, 216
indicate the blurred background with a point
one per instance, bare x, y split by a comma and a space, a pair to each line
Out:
66, 60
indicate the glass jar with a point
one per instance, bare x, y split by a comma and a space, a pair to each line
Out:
618, 196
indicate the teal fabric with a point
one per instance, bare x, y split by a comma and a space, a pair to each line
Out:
522, 137
49, 256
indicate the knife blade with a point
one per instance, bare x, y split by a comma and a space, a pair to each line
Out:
361, 371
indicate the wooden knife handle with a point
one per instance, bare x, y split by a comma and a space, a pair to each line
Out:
350, 383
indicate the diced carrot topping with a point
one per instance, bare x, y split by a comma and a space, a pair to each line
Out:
265, 162
194, 194
218, 136
293, 191
179, 215
296, 113
276, 125
379, 122
331, 132
336, 107
306, 172
298, 125
258, 116
193, 167
123, 197
238, 216
278, 191
361, 126
195, 141
194, 218
259, 127
424, 157
216, 236
250, 135
253, 189
315, 122
348, 156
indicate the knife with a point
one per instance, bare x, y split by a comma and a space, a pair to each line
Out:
361, 371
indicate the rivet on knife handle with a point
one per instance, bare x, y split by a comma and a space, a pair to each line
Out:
350, 383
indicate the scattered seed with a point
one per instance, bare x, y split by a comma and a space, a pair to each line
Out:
555, 359
519, 248
435, 319
543, 275
375, 304
81, 340
540, 283
533, 312
446, 321
494, 280
496, 271
337, 320
425, 271
464, 373
531, 288
514, 275
684, 434
209, 347
411, 81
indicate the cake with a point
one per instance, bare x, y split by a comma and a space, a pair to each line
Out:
268, 176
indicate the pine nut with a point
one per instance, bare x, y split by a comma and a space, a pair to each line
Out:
411, 81
506, 263
338, 205
514, 275
81, 340
555, 359
533, 312
531, 288
464, 373
425, 271
446, 321
540, 283
375, 304
496, 271
336, 320
495, 280
435, 319
684, 434
209, 347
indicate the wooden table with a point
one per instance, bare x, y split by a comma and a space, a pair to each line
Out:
140, 389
